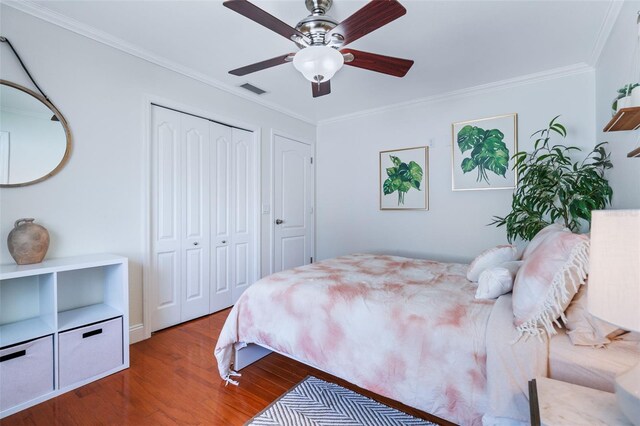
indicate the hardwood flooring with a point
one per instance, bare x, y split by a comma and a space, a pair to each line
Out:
173, 380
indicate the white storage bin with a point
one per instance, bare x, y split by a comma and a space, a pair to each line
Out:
26, 372
88, 351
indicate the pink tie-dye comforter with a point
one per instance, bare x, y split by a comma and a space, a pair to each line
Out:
407, 329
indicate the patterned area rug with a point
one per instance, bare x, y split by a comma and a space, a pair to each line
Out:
314, 402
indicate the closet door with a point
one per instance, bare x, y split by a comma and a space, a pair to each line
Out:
221, 196
180, 217
166, 218
243, 213
195, 214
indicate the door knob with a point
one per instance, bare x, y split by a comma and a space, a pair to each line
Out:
224, 241
195, 243
279, 221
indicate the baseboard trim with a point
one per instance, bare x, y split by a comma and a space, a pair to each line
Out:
136, 333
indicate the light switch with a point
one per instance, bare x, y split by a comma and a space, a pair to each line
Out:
266, 209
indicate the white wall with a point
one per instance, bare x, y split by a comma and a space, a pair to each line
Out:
615, 69
348, 215
95, 204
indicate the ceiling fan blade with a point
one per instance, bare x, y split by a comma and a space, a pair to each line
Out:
369, 18
278, 60
321, 89
379, 63
263, 18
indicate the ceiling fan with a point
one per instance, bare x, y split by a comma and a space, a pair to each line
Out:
322, 39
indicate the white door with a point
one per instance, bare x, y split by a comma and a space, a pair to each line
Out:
221, 193
180, 217
195, 204
234, 256
244, 253
166, 224
293, 203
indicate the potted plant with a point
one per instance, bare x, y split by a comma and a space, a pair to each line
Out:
623, 99
553, 188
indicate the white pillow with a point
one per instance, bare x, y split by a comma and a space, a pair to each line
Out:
490, 258
583, 328
495, 282
547, 281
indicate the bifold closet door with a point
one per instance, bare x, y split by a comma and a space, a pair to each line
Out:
233, 209
180, 217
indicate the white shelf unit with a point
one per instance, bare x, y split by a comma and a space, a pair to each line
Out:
62, 297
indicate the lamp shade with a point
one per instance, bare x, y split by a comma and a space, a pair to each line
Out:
318, 63
614, 267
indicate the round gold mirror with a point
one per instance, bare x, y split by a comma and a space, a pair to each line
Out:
35, 140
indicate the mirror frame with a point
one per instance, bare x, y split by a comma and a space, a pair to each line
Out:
65, 125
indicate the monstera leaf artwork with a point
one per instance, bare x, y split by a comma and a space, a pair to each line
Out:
489, 153
482, 152
404, 183
402, 177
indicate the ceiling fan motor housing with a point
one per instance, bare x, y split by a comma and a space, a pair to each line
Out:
318, 24
318, 7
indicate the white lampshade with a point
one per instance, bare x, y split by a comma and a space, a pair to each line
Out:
614, 288
614, 267
318, 63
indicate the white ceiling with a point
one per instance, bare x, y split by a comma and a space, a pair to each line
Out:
455, 45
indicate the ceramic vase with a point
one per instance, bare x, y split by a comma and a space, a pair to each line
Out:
28, 242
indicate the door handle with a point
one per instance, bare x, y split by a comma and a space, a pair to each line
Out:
195, 243
279, 221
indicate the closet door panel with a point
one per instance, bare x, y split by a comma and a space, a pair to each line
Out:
166, 212
195, 289
221, 185
243, 211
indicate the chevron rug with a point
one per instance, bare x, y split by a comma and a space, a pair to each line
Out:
314, 402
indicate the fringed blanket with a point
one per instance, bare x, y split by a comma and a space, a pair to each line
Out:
404, 328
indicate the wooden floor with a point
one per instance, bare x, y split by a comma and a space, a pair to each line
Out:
173, 380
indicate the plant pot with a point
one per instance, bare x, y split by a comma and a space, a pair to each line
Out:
624, 103
28, 242
635, 97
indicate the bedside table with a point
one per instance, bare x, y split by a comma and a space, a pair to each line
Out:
556, 403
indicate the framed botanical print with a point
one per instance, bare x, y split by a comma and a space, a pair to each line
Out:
482, 151
404, 179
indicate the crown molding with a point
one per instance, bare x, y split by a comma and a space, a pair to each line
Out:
60, 20
552, 74
605, 30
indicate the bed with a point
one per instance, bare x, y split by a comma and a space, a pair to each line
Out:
407, 329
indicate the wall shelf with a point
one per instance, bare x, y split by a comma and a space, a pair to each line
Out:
634, 154
625, 119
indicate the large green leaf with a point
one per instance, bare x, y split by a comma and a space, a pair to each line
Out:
468, 164
415, 171
469, 137
495, 155
386, 187
404, 186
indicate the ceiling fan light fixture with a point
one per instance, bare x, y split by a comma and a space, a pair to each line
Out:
318, 63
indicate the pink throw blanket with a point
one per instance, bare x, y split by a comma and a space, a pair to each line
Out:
404, 328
